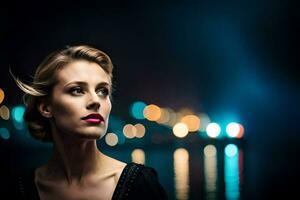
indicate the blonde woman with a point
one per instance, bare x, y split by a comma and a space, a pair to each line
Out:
69, 103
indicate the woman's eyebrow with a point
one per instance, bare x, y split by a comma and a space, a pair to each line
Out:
83, 83
103, 84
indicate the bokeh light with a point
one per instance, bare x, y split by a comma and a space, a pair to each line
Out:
180, 130
4, 112
213, 130
129, 131
164, 117
241, 132
2, 95
138, 156
192, 122
231, 172
233, 129
172, 117
152, 112
181, 173
140, 130
111, 139
4, 133
137, 109
210, 171
204, 121
17, 113
231, 150
210, 150
185, 111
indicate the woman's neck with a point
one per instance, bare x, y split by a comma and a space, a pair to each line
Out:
75, 159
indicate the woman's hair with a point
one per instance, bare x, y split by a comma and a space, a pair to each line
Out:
44, 79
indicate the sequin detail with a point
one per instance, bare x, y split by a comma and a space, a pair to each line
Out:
126, 181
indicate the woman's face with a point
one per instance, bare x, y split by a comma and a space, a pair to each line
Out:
80, 104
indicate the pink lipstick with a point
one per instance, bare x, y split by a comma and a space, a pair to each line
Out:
94, 118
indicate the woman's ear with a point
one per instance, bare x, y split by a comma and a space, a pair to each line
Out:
44, 109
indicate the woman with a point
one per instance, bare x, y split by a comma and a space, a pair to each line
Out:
69, 104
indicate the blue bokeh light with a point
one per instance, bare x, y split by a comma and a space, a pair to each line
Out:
231, 150
17, 113
4, 133
136, 109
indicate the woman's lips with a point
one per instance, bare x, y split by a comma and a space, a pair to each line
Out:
94, 118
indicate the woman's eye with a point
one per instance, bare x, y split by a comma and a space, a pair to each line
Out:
103, 92
76, 91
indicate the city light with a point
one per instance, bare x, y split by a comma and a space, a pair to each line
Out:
241, 132
210, 151
192, 122
17, 113
152, 112
231, 172
204, 121
137, 109
172, 117
164, 117
140, 130
2, 95
111, 139
210, 171
213, 130
4, 112
180, 130
181, 173
233, 129
231, 150
129, 131
138, 156
4, 133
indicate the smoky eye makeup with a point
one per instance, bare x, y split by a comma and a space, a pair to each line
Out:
103, 91
76, 90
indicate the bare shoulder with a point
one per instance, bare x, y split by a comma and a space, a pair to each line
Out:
114, 166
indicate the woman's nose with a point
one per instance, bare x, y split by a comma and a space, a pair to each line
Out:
93, 102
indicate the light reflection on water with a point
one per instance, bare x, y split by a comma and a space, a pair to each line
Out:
181, 171
231, 172
205, 171
210, 171
138, 156
215, 184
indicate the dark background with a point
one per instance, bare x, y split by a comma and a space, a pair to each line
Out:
230, 59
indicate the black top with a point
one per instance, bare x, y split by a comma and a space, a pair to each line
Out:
136, 182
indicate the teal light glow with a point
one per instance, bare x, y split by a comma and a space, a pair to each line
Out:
4, 133
115, 124
231, 172
231, 150
136, 110
19, 125
121, 137
17, 113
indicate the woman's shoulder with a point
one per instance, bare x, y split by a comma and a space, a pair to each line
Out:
113, 166
138, 181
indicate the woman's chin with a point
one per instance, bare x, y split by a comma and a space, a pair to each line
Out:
94, 136
93, 132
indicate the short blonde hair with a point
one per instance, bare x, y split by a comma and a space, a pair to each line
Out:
44, 79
